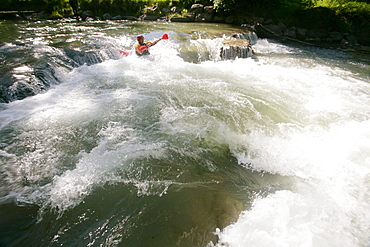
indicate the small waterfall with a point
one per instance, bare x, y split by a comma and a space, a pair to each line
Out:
26, 81
250, 36
234, 47
236, 51
36, 75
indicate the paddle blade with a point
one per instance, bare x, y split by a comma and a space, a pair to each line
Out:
165, 36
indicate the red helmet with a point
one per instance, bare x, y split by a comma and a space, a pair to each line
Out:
140, 37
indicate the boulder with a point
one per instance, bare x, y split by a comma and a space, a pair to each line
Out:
351, 39
229, 20
203, 17
336, 36
318, 33
197, 8
87, 19
130, 18
233, 48
282, 26
275, 29
218, 19
107, 16
301, 33
150, 18
250, 36
175, 9
152, 10
86, 14
209, 10
116, 18
268, 22
165, 11
291, 32
180, 19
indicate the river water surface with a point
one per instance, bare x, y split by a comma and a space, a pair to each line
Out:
179, 148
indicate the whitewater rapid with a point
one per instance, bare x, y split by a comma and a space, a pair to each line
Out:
296, 118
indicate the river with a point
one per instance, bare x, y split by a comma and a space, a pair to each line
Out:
180, 148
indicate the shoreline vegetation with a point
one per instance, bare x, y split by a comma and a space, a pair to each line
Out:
312, 21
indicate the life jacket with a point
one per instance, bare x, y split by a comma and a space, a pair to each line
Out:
142, 48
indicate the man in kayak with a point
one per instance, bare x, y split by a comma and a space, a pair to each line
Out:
142, 48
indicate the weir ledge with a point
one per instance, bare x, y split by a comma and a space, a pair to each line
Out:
233, 48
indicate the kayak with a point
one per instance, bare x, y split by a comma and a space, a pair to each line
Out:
126, 52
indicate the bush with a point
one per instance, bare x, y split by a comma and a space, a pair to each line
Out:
355, 13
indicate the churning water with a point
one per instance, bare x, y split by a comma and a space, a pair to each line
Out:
180, 148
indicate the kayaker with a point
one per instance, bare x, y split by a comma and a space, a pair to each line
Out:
142, 48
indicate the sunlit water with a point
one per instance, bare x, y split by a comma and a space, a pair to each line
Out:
182, 148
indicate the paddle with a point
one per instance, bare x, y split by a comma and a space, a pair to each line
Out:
127, 52
164, 36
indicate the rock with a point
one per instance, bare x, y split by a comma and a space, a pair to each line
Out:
118, 17
218, 19
197, 8
276, 29
245, 25
166, 10
203, 17
150, 18
351, 39
320, 33
233, 48
209, 10
301, 31
282, 26
180, 19
336, 36
175, 9
290, 33
153, 10
130, 18
314, 39
86, 14
235, 42
250, 36
262, 32
88, 19
229, 20
268, 22
107, 16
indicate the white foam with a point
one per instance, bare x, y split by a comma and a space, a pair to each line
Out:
326, 154
307, 122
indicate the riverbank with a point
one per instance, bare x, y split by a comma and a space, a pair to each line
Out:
313, 26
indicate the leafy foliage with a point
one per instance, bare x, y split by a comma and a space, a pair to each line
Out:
355, 12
